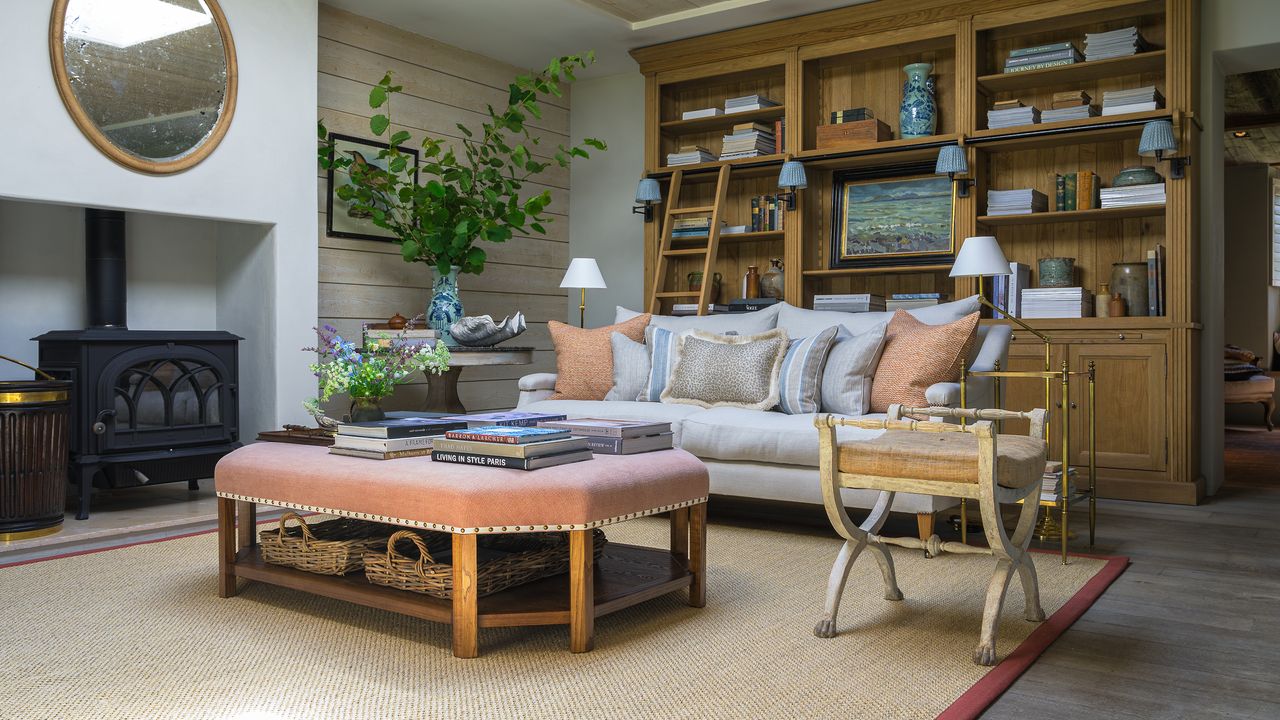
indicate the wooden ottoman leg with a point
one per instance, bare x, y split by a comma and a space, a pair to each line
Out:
582, 598
226, 547
466, 608
698, 555
680, 533
247, 523
924, 528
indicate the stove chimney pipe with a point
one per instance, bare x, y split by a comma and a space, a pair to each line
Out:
104, 268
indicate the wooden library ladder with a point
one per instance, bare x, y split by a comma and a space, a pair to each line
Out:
666, 251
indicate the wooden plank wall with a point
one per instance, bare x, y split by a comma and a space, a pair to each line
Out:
363, 281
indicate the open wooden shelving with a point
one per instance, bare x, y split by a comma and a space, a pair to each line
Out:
838, 272
1145, 62
1074, 216
740, 166
736, 237
722, 122
1103, 128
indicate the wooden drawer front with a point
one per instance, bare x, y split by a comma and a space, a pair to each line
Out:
1131, 397
1091, 337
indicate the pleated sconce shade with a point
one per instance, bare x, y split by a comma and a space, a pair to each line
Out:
648, 191
792, 176
1157, 138
951, 159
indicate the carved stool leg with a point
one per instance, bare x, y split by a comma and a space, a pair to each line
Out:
849, 552
924, 528
1021, 540
1269, 407
985, 654
885, 561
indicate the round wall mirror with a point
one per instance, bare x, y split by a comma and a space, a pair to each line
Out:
152, 83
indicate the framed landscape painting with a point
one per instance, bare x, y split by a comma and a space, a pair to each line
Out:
341, 219
885, 221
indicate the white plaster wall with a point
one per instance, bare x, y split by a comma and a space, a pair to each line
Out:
262, 173
603, 189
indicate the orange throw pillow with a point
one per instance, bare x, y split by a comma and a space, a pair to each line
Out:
917, 355
584, 357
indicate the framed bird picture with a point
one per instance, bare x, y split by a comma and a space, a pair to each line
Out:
342, 220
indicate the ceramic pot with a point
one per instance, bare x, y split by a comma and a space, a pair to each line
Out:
751, 283
1057, 272
695, 285
1129, 281
1117, 306
1137, 175
367, 409
918, 115
1102, 301
445, 308
773, 283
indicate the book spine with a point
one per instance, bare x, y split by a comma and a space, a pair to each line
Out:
1059, 193
590, 431
755, 214
1160, 281
1023, 52
1040, 65
1069, 203
769, 215
1152, 291
479, 437
497, 461
607, 445
1084, 190
1041, 57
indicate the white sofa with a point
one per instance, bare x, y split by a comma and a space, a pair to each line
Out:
772, 455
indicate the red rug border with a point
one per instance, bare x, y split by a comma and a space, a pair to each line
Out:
971, 704
987, 690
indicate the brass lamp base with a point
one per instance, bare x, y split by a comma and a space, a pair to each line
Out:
1049, 529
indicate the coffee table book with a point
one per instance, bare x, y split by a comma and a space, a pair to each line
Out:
380, 445
525, 450
395, 428
506, 434
629, 446
498, 461
379, 455
515, 418
605, 427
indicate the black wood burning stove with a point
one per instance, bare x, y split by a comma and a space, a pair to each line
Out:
148, 406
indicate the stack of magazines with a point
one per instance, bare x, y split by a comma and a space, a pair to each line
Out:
617, 437
1068, 302
1016, 202
1113, 44
1012, 116
391, 439
1051, 482
1115, 197
1116, 102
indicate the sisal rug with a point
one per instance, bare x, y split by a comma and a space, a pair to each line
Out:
139, 632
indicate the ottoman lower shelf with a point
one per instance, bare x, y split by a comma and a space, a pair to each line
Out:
624, 576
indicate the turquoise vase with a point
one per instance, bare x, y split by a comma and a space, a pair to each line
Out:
445, 307
918, 116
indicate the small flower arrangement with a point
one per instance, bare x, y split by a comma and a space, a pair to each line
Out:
372, 371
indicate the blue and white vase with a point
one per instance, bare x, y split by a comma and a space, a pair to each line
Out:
918, 116
445, 307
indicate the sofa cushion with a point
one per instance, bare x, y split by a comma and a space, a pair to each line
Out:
917, 355
1254, 389
584, 357
630, 368
800, 382
847, 376
758, 436
799, 322
727, 370
618, 410
749, 323
661, 345
943, 457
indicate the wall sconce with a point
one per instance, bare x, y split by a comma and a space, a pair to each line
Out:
648, 194
791, 179
1157, 139
952, 161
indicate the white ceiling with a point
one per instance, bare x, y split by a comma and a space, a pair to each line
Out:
528, 33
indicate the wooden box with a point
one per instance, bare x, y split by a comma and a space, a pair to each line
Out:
861, 132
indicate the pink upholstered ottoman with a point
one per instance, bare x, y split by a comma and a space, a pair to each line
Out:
466, 501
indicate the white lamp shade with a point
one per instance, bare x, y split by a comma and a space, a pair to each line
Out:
980, 256
584, 273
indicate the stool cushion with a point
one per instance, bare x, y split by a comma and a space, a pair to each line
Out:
1255, 389
463, 498
943, 457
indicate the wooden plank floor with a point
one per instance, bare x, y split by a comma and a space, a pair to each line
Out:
1192, 629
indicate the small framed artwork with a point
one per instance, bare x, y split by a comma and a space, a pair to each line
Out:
891, 217
341, 219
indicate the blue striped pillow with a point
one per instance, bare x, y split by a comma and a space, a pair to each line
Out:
662, 348
800, 381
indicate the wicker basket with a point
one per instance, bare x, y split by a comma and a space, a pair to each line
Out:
528, 557
332, 547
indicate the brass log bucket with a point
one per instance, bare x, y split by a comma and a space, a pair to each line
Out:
34, 425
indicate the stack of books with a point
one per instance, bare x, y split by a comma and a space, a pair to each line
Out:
1016, 202
691, 227
851, 303
766, 214
687, 309
1077, 191
512, 418
1042, 56
1117, 102
1072, 302
1051, 481
1006, 290
1070, 105
747, 103
1008, 113
911, 301
382, 336
617, 437
1115, 197
701, 113
1155, 281
1113, 44
690, 155
510, 446
748, 140
393, 438
839, 117
741, 305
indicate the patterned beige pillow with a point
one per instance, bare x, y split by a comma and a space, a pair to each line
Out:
917, 355
727, 370
584, 358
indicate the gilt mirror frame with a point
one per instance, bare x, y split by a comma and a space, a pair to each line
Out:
99, 139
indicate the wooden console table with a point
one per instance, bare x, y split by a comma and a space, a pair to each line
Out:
442, 389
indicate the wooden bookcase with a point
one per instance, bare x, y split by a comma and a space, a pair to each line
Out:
853, 57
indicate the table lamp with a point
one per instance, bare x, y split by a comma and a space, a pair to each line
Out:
583, 273
981, 257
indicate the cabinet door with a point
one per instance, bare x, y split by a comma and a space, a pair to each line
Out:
1130, 400
1022, 394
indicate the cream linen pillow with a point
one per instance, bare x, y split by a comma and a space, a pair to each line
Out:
727, 371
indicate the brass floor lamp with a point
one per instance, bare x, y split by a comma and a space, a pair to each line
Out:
583, 273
